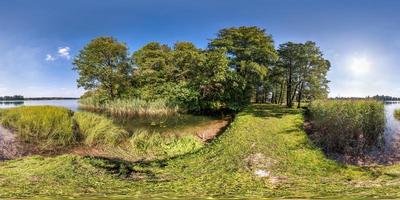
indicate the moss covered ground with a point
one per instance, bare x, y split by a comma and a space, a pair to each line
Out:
263, 154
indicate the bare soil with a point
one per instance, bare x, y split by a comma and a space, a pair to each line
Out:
10, 147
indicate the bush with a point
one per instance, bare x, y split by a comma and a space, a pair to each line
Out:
99, 130
47, 126
397, 114
348, 126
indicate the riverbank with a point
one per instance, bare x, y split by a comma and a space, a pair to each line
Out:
264, 153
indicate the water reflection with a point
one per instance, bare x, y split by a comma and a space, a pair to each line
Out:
392, 129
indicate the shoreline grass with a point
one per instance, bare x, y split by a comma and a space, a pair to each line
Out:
45, 126
347, 126
130, 107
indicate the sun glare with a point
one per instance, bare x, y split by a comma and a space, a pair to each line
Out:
360, 65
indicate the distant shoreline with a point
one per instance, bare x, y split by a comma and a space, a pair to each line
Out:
42, 98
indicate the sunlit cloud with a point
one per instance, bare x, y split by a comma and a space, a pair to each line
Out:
49, 57
64, 52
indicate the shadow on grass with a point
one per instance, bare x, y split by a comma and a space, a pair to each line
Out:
270, 110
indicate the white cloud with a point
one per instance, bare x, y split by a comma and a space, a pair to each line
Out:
64, 52
49, 57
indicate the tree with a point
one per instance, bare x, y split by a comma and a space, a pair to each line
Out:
152, 63
313, 71
103, 65
305, 71
251, 52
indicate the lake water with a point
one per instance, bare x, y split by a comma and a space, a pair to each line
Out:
392, 129
68, 103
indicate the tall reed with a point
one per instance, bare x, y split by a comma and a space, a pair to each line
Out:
47, 126
130, 107
348, 126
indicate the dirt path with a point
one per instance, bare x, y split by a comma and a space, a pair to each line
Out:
9, 146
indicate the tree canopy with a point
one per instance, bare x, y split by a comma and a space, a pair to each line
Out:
239, 66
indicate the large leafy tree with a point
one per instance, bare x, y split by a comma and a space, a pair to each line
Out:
251, 52
152, 63
305, 70
103, 66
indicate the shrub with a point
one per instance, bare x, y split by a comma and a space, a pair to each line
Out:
99, 130
47, 126
348, 126
397, 114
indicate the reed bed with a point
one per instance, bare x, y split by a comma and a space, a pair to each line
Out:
130, 107
47, 126
348, 126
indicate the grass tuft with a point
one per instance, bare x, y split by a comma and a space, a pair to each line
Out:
144, 145
99, 130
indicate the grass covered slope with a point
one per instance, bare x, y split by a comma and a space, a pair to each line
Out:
264, 153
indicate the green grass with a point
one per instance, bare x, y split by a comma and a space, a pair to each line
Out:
397, 114
348, 126
99, 130
46, 126
262, 137
148, 146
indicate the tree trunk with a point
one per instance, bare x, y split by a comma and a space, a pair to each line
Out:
289, 88
280, 100
300, 95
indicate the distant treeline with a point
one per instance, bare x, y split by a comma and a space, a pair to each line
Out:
376, 97
20, 97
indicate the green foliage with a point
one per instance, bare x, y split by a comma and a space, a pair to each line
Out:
302, 69
348, 126
103, 65
396, 114
239, 65
98, 130
46, 126
251, 52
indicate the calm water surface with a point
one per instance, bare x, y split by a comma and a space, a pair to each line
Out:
69, 103
392, 129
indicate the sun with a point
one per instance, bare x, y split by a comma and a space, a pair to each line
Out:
360, 65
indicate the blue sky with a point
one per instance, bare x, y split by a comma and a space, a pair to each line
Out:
38, 39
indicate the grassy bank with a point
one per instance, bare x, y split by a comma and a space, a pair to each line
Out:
58, 130
265, 153
347, 126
